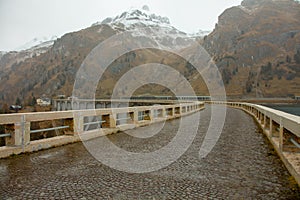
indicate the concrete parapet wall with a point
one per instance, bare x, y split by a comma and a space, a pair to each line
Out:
81, 125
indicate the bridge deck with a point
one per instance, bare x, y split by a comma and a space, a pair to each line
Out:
241, 166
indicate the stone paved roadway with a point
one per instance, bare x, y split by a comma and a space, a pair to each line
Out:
241, 166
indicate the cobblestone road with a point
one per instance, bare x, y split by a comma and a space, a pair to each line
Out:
241, 166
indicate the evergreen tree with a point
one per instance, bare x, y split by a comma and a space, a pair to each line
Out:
18, 101
297, 57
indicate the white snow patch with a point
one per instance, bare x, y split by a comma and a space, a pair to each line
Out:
38, 42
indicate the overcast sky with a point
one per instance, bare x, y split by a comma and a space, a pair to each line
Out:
23, 20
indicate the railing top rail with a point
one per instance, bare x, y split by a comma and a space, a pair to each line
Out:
268, 110
42, 116
124, 100
279, 113
288, 121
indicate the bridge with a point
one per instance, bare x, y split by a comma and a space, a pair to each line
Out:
20, 129
72, 103
256, 156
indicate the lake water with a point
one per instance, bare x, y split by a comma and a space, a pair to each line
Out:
289, 108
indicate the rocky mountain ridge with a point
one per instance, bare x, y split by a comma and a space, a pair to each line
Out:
129, 19
255, 45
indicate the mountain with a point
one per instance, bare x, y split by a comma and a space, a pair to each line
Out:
53, 71
256, 46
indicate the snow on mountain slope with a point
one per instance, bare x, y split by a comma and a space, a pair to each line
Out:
200, 33
143, 18
2, 53
150, 25
38, 42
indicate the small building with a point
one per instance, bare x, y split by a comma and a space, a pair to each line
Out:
43, 101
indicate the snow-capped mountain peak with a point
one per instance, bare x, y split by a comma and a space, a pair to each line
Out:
141, 15
137, 16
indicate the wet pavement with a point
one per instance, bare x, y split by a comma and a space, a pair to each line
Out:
242, 165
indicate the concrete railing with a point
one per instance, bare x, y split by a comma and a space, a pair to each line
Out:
76, 104
79, 125
282, 129
83, 104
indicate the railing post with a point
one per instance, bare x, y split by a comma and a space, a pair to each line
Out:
265, 119
21, 134
112, 120
151, 114
54, 105
164, 112
271, 127
58, 107
26, 133
78, 123
281, 138
136, 116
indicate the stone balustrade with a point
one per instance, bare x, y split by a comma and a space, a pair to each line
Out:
80, 125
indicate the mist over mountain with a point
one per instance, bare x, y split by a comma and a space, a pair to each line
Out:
255, 45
